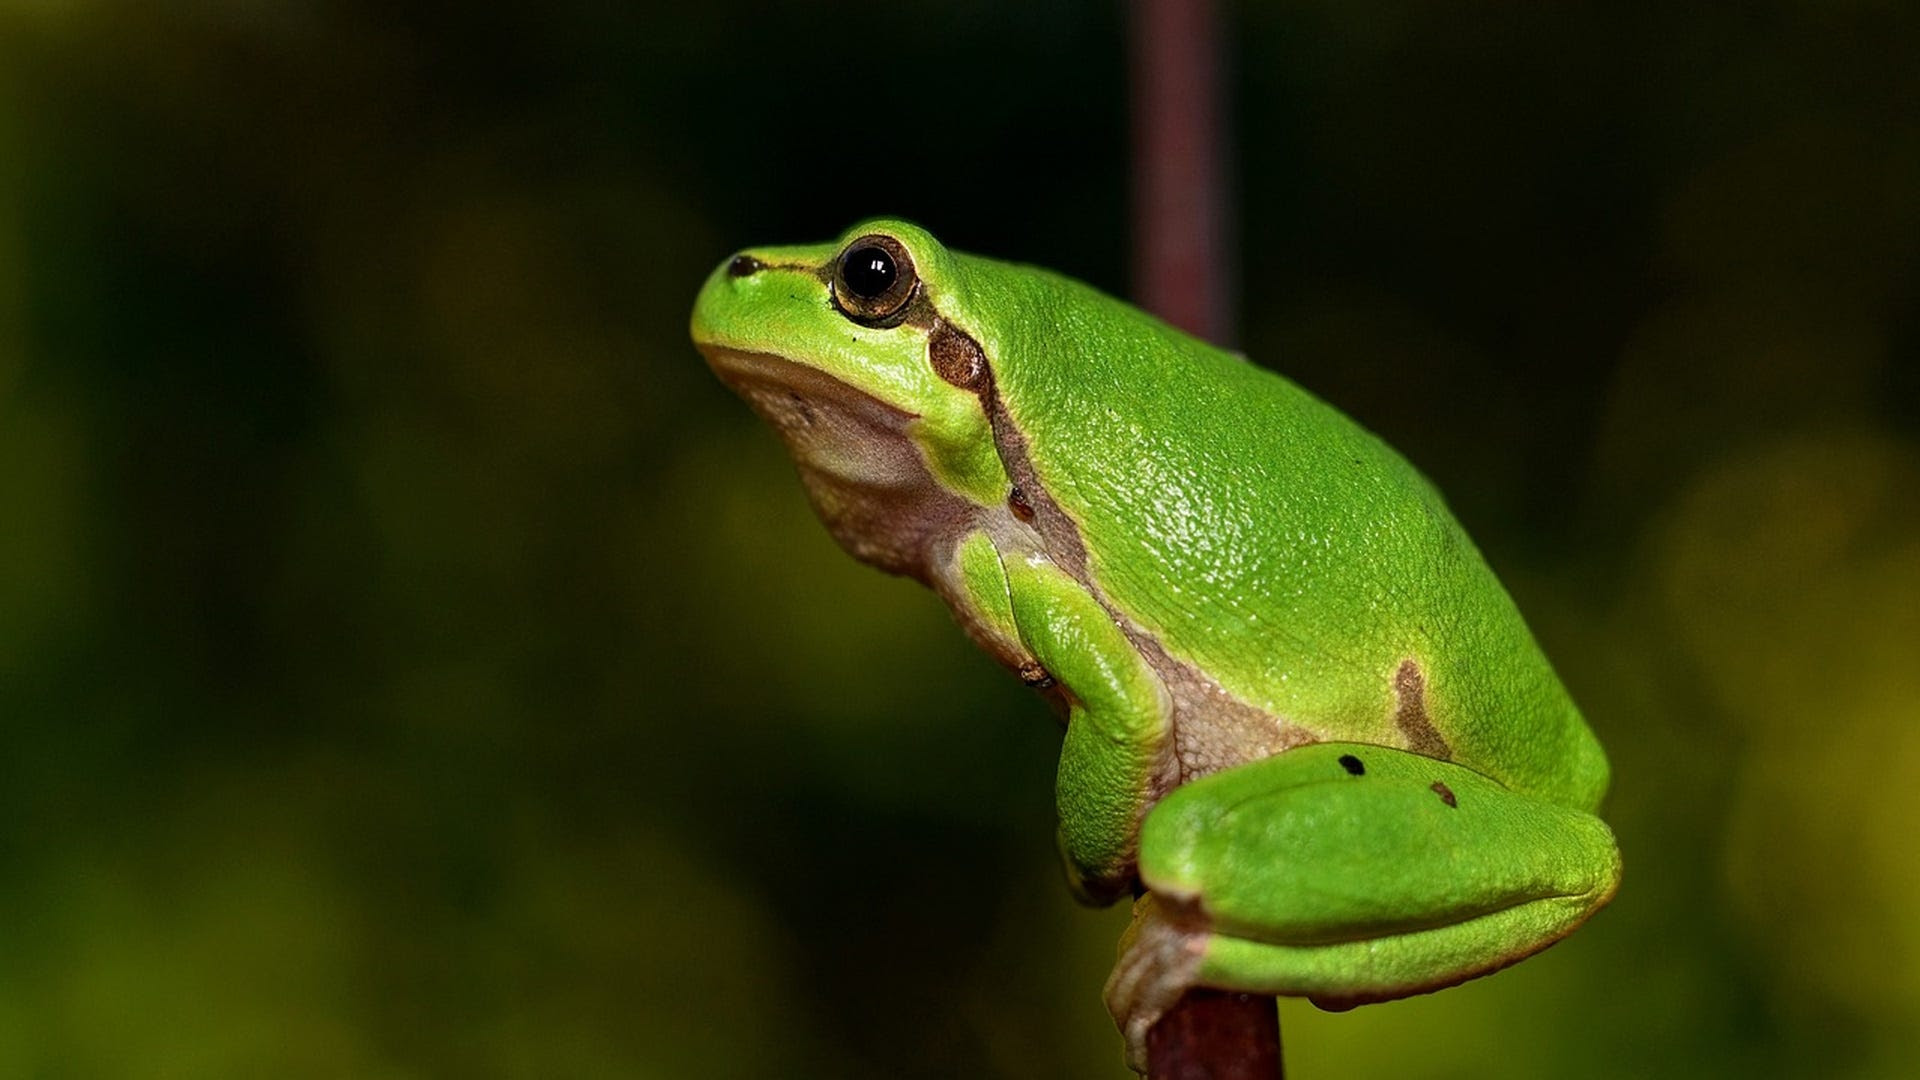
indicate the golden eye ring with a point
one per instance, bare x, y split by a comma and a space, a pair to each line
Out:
873, 280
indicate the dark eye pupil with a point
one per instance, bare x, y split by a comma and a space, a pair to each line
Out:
868, 272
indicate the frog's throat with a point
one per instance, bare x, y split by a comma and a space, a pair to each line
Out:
862, 470
1212, 729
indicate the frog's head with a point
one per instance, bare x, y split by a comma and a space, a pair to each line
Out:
850, 350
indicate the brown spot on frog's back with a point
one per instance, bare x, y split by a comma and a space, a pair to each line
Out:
1410, 712
1445, 793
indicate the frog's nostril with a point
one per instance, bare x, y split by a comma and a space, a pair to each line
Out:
744, 265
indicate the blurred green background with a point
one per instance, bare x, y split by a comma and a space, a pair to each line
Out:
414, 664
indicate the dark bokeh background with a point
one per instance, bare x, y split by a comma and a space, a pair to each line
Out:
413, 664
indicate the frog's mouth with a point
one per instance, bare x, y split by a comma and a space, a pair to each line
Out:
837, 433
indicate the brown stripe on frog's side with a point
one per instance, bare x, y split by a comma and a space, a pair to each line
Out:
1410, 712
959, 359
1212, 729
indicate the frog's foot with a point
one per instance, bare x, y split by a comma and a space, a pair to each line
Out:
1097, 888
1159, 959
1346, 874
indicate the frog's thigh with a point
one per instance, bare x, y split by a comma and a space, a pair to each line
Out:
1351, 873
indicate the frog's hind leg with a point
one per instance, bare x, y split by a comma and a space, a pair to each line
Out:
1346, 874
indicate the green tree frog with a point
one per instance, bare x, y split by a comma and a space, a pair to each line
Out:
1306, 728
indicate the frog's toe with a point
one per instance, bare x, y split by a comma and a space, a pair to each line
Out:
1159, 959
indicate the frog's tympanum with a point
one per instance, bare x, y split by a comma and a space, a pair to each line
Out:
1305, 724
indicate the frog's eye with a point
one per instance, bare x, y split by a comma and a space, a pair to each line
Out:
873, 280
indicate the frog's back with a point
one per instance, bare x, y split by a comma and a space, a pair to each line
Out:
1259, 536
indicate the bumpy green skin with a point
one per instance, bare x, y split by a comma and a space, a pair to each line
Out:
1238, 594
1269, 539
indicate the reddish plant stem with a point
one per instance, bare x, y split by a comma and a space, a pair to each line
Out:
1181, 269
1216, 1035
1182, 258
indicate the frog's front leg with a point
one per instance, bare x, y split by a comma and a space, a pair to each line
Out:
1116, 751
1347, 874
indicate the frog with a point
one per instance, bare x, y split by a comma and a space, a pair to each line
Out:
1306, 729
